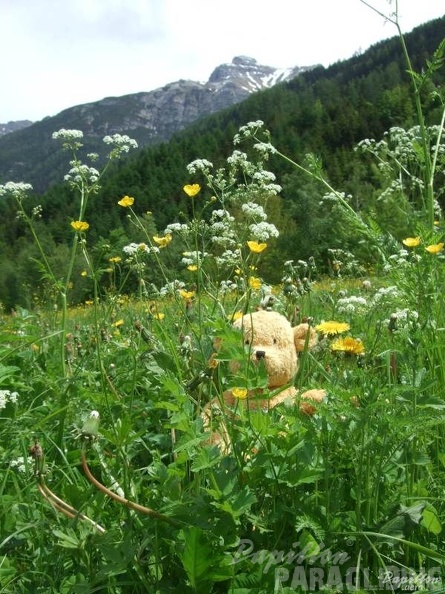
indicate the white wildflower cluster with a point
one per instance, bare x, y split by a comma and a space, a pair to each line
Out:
37, 211
21, 465
7, 396
171, 288
398, 260
238, 159
70, 138
81, 173
15, 189
121, 142
334, 197
180, 228
139, 248
402, 319
67, 135
229, 258
254, 211
222, 228
265, 149
352, 304
259, 230
193, 258
250, 130
385, 295
263, 231
227, 286
199, 166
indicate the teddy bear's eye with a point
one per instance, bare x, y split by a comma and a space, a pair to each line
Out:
247, 341
275, 341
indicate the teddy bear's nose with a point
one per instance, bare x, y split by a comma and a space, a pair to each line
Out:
260, 354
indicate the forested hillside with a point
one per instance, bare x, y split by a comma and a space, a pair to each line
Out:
325, 112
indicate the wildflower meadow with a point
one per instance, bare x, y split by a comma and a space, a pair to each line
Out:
109, 479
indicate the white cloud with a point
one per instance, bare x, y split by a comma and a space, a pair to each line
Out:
57, 54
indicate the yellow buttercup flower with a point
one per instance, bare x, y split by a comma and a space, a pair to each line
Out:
236, 316
186, 294
126, 201
254, 283
411, 241
256, 247
240, 393
79, 226
192, 268
331, 328
115, 259
192, 189
84, 273
118, 323
159, 315
435, 249
162, 241
348, 345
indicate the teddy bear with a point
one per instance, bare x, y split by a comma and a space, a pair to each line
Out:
272, 341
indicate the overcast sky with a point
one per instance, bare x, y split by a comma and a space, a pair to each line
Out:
57, 53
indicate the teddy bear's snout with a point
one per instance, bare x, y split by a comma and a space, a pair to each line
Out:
260, 354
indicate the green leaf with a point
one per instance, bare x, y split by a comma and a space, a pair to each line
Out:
67, 541
196, 557
239, 505
430, 520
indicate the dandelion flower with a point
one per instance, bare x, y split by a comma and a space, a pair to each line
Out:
254, 283
435, 249
348, 345
80, 226
240, 393
192, 189
411, 241
213, 362
331, 328
126, 201
162, 241
256, 247
236, 316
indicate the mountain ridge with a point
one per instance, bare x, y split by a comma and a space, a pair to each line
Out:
150, 117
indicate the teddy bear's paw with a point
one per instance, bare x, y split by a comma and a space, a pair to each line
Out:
309, 399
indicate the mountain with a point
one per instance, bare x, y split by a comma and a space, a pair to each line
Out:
14, 126
29, 154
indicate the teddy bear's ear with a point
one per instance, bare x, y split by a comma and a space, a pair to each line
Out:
303, 333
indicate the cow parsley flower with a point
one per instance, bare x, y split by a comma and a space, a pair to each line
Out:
20, 464
7, 396
199, 165
17, 190
263, 231
121, 143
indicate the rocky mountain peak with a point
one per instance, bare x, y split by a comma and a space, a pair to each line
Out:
150, 117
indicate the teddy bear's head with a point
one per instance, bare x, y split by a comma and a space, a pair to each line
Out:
271, 339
